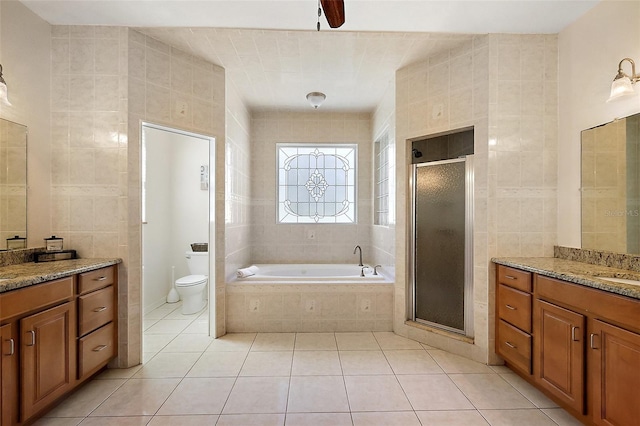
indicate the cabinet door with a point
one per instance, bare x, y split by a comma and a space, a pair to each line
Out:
8, 375
48, 357
615, 374
559, 353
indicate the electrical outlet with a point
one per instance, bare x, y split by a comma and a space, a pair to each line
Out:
365, 305
254, 305
311, 234
181, 108
310, 305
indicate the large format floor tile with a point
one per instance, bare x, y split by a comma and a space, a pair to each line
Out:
258, 395
316, 379
490, 391
376, 393
137, 397
198, 396
324, 394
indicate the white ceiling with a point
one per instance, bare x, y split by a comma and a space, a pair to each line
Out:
274, 56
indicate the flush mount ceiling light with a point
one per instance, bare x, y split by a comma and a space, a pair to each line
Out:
623, 83
4, 98
316, 99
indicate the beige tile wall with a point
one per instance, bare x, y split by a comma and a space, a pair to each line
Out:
161, 80
288, 243
383, 237
444, 92
238, 184
506, 87
108, 80
89, 147
523, 140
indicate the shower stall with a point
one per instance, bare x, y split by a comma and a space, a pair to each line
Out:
442, 240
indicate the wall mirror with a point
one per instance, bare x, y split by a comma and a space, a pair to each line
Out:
611, 186
13, 181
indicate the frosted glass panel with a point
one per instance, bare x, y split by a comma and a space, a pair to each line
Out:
440, 244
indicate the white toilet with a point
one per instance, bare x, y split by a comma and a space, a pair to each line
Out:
191, 288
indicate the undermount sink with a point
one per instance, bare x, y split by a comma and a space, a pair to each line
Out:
620, 280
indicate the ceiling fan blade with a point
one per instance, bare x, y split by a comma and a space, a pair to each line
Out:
334, 12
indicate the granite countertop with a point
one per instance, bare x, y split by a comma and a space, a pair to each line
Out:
22, 275
577, 272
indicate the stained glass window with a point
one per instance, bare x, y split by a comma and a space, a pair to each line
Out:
316, 183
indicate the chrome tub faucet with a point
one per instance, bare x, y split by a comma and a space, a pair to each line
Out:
354, 252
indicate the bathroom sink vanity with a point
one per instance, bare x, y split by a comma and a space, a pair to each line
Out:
573, 331
58, 327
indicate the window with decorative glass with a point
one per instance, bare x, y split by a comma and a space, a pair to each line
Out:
317, 183
384, 179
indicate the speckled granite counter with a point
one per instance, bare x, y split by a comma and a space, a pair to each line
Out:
576, 272
25, 274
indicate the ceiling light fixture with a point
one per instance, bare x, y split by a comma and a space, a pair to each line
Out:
4, 98
316, 99
623, 83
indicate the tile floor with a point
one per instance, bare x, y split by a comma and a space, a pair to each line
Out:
331, 379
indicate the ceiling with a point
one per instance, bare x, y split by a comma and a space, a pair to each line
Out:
274, 56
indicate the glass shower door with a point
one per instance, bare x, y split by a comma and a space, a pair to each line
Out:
440, 217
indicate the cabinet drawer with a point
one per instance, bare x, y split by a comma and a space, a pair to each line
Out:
514, 278
37, 297
514, 306
94, 280
95, 350
95, 310
514, 346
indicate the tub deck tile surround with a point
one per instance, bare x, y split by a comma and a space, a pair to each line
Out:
21, 275
577, 272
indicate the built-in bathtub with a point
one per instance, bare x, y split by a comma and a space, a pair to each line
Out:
315, 273
309, 298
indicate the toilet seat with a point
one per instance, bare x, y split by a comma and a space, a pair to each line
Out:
191, 280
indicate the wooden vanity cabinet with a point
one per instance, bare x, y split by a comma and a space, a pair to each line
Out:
54, 336
615, 374
96, 320
47, 353
559, 354
585, 348
8, 374
513, 318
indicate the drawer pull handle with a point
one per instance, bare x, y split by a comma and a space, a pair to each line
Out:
511, 345
12, 345
573, 333
511, 277
33, 338
592, 342
99, 348
100, 309
511, 307
100, 279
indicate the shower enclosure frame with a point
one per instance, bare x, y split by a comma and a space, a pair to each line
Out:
468, 249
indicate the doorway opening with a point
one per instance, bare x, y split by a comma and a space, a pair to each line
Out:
177, 214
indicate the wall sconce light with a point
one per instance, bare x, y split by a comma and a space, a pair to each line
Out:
316, 99
4, 98
623, 83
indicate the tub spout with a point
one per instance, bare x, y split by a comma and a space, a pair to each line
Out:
354, 252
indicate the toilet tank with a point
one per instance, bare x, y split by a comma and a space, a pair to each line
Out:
198, 262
